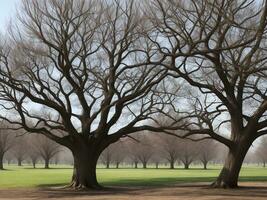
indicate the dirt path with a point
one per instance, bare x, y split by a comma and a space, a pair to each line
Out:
251, 191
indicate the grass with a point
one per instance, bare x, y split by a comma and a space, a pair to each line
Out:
26, 177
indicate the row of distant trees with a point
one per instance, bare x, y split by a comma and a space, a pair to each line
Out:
141, 149
30, 148
159, 149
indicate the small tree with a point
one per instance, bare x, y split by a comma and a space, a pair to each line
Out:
5, 144
187, 152
106, 156
19, 151
47, 149
169, 146
206, 151
261, 151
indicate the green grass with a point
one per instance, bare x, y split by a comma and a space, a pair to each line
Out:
25, 177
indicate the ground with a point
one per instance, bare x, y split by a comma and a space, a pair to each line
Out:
248, 191
138, 184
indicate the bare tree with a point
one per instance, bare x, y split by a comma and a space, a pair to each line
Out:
19, 151
106, 156
187, 152
88, 64
47, 149
169, 147
207, 150
261, 151
119, 153
218, 48
142, 149
5, 144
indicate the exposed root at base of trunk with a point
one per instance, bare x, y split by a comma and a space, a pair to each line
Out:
222, 184
78, 186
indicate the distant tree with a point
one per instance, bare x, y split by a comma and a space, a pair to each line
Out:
19, 151
32, 151
187, 152
206, 151
106, 156
5, 144
261, 151
47, 149
169, 147
119, 153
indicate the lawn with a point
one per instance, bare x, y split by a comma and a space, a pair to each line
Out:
25, 177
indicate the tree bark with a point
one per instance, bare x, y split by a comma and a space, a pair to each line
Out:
136, 165
117, 165
229, 174
85, 161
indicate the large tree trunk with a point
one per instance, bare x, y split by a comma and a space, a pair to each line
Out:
228, 177
85, 162
135, 165
1, 161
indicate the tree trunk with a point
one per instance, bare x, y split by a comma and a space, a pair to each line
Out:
205, 165
186, 166
157, 165
84, 172
171, 165
19, 162
117, 165
228, 177
47, 163
1, 162
107, 165
144, 165
34, 165
264, 164
136, 165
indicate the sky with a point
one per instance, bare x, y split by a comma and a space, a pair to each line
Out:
7, 10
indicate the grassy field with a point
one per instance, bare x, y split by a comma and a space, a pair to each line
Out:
25, 177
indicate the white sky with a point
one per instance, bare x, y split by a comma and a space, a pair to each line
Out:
7, 10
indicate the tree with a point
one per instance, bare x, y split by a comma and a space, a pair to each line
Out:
19, 151
187, 152
89, 65
47, 149
207, 151
119, 153
169, 147
218, 48
143, 148
261, 151
5, 144
106, 156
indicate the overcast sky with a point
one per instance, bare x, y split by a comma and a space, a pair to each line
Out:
7, 9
